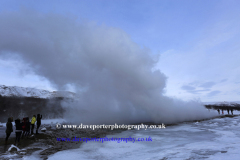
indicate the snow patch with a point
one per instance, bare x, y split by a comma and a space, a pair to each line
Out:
13, 146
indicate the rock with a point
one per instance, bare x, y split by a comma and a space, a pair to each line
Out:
43, 129
31, 137
13, 148
49, 132
23, 153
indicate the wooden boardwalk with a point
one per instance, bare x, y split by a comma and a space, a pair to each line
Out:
229, 108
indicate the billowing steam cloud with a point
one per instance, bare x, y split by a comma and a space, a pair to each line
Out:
112, 74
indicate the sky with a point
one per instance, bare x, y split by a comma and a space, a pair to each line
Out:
197, 42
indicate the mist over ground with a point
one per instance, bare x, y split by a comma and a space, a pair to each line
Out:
112, 75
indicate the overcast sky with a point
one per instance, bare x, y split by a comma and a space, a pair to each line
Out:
197, 41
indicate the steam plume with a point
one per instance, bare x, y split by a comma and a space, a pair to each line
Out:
112, 75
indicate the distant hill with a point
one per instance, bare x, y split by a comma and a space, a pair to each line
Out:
19, 102
32, 92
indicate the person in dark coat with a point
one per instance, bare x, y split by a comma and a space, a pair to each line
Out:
38, 122
218, 111
18, 130
28, 124
228, 111
232, 111
24, 126
9, 129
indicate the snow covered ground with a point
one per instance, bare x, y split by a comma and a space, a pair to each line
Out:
212, 139
52, 121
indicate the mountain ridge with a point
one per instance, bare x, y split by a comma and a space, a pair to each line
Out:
33, 92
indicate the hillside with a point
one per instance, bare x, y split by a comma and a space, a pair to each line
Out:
32, 92
19, 102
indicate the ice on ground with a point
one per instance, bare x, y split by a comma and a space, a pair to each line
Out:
10, 156
214, 139
34, 156
54, 121
13, 146
43, 129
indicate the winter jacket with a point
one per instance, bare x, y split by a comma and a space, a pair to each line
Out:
9, 127
24, 124
18, 125
39, 119
33, 120
28, 124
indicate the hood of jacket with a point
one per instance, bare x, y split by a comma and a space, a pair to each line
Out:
17, 121
9, 119
24, 119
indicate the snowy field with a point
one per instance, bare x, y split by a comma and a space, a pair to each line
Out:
52, 121
213, 139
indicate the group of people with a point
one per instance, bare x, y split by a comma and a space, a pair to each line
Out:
227, 111
22, 128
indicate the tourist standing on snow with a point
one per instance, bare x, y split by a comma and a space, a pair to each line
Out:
9, 129
33, 123
24, 126
18, 130
28, 124
38, 122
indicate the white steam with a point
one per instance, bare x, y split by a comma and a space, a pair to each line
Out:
112, 75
